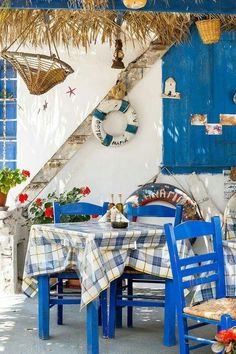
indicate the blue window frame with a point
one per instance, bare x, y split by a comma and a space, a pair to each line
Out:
205, 76
8, 115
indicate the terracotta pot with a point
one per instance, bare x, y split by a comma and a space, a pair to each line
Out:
3, 198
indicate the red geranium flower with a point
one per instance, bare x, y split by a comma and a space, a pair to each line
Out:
226, 336
23, 197
48, 212
94, 216
25, 173
85, 190
38, 202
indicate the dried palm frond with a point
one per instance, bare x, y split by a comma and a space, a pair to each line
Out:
81, 27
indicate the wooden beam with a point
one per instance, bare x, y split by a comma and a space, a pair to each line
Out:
189, 6
130, 77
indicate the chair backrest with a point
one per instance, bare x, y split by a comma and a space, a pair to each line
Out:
159, 211
202, 269
79, 208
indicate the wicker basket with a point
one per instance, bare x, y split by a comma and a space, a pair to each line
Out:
39, 72
209, 30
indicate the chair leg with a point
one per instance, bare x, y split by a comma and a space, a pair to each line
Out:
112, 310
43, 306
183, 330
60, 307
169, 314
92, 328
119, 308
103, 310
225, 322
100, 314
130, 308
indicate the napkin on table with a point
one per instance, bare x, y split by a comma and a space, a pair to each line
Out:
116, 216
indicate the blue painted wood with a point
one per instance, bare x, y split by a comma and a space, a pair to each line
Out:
205, 6
119, 300
8, 116
149, 210
43, 306
79, 208
205, 77
187, 229
92, 328
169, 314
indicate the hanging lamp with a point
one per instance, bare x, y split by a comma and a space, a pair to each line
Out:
118, 53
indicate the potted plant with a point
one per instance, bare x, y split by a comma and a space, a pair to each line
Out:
9, 179
226, 341
41, 210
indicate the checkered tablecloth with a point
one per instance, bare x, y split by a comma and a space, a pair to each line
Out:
99, 252
206, 292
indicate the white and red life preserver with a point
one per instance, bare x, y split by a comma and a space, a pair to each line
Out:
168, 193
99, 115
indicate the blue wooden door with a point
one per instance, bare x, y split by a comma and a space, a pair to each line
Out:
206, 79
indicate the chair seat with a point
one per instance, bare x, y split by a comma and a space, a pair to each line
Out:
213, 309
131, 270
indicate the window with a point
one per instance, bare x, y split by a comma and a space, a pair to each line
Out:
8, 113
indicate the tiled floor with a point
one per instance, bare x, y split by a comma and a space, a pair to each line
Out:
18, 332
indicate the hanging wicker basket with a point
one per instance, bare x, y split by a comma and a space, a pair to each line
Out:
209, 30
39, 72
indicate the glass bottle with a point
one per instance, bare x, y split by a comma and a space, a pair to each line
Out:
111, 204
120, 205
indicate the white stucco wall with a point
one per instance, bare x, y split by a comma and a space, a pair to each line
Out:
105, 170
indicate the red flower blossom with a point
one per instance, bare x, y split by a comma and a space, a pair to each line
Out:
94, 216
226, 336
85, 190
25, 173
48, 212
38, 202
22, 198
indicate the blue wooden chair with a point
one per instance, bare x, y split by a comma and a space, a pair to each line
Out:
211, 269
118, 299
61, 298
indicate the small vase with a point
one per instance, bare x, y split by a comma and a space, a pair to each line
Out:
3, 198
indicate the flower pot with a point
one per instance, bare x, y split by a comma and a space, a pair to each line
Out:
209, 30
3, 198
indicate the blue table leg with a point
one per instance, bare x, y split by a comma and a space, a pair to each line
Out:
43, 306
169, 314
92, 328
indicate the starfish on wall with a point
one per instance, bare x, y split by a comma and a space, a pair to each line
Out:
71, 91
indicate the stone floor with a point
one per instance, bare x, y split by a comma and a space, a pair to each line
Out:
18, 332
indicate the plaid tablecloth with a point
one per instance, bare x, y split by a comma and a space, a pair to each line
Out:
206, 292
99, 252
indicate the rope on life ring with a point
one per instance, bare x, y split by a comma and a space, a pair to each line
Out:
100, 114
168, 193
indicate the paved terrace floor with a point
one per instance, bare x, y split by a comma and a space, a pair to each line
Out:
18, 331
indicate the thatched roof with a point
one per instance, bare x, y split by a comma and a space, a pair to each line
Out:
80, 28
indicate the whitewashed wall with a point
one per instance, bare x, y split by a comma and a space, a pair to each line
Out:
105, 170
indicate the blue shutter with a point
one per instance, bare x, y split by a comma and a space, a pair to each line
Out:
205, 76
8, 115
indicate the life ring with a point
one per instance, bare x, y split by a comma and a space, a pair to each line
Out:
99, 115
168, 193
